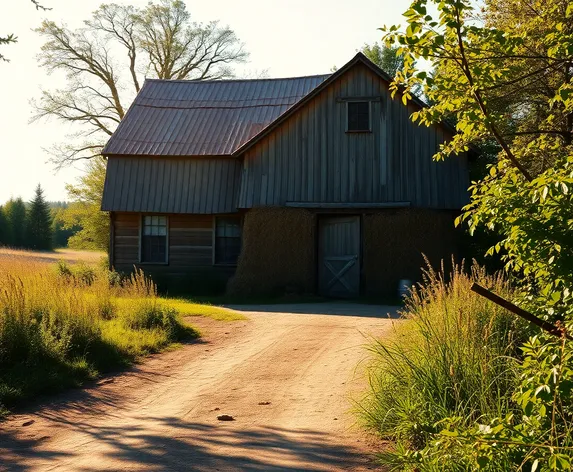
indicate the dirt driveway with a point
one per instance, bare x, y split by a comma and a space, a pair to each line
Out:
285, 375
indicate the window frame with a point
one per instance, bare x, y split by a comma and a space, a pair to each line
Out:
214, 240
358, 100
141, 236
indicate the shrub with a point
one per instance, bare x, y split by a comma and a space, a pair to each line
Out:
453, 355
84, 274
80, 273
63, 270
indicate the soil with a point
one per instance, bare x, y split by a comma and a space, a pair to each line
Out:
286, 376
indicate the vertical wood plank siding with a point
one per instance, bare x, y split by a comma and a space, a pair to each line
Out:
171, 185
310, 157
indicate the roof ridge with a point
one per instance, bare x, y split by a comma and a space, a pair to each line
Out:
197, 81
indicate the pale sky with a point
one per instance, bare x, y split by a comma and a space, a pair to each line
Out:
298, 37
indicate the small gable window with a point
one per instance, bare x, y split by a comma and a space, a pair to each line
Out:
358, 116
154, 239
227, 240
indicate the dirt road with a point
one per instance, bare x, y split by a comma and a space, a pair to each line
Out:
285, 375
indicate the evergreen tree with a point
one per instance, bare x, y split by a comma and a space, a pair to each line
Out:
4, 230
39, 223
15, 212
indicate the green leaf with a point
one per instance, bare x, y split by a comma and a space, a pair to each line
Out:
482, 461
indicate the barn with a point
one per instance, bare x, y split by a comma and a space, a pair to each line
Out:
317, 184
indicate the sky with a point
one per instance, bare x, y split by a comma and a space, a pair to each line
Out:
285, 39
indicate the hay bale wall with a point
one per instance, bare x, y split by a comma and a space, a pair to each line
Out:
278, 253
394, 241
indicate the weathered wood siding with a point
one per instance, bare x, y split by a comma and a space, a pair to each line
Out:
310, 157
190, 249
171, 185
125, 240
190, 240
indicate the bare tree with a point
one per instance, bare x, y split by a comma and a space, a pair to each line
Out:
10, 38
105, 62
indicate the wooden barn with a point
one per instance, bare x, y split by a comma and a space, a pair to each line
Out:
316, 184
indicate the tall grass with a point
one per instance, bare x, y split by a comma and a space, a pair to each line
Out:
62, 324
453, 355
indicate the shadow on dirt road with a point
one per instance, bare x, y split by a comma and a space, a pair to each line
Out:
190, 446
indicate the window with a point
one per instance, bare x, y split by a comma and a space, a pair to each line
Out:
154, 239
227, 240
358, 116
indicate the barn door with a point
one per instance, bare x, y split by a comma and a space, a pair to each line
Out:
339, 256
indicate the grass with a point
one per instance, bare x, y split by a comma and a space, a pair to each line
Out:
453, 355
191, 308
65, 254
62, 324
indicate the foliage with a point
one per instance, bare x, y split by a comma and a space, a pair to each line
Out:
385, 57
538, 437
59, 326
506, 76
453, 356
62, 233
39, 223
4, 228
158, 40
15, 211
84, 209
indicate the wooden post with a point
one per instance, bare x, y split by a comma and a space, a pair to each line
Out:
558, 331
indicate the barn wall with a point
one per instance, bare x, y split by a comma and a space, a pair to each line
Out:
393, 244
278, 253
190, 267
171, 185
310, 157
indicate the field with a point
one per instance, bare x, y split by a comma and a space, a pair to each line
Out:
65, 318
68, 255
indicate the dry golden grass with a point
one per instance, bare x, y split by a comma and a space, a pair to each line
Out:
61, 324
68, 255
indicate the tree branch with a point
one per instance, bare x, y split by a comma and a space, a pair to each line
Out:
477, 95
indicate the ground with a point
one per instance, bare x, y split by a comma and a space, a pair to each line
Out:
68, 255
287, 375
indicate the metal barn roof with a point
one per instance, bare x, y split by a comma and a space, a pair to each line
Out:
204, 118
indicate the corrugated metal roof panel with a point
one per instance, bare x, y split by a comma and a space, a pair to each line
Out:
171, 185
204, 118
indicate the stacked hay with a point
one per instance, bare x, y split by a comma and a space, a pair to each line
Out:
394, 241
278, 253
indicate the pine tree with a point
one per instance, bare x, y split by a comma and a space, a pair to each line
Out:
39, 223
4, 229
15, 212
